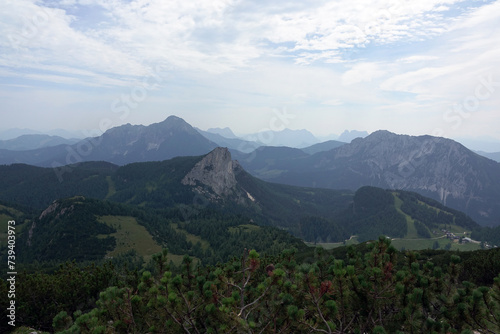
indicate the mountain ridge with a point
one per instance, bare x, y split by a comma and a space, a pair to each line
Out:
436, 167
121, 145
34, 141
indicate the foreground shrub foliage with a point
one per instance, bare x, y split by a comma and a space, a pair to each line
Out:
367, 293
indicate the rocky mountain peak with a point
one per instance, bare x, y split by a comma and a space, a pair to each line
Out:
215, 170
174, 122
381, 136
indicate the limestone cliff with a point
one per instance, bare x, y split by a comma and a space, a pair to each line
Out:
216, 171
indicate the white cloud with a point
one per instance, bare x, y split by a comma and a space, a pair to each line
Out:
470, 50
213, 36
225, 56
415, 81
333, 102
418, 58
362, 72
39, 37
347, 24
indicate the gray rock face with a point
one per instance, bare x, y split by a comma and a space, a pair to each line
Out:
216, 171
426, 163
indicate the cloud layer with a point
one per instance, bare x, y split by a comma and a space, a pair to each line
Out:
362, 64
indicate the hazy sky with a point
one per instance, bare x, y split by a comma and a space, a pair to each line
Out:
408, 66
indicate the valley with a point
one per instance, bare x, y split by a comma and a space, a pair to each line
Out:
169, 199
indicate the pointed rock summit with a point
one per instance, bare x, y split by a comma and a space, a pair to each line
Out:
215, 170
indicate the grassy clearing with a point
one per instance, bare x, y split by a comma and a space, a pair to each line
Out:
130, 235
151, 186
191, 237
412, 231
466, 247
4, 220
331, 245
352, 241
417, 244
10, 210
414, 244
177, 259
90, 178
3, 228
111, 187
244, 228
407, 244
325, 245
432, 207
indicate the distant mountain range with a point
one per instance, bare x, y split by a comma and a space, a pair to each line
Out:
287, 137
493, 156
33, 142
347, 136
121, 145
136, 143
231, 141
486, 144
225, 132
15, 133
435, 167
324, 146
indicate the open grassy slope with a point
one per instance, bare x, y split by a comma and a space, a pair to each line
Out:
130, 235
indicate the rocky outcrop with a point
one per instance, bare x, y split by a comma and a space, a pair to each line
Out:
49, 210
216, 171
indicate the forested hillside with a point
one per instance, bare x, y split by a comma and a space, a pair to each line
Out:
90, 230
374, 211
157, 185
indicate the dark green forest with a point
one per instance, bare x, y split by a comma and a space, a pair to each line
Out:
369, 288
69, 230
367, 213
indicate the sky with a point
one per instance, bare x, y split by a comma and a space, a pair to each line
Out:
410, 67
